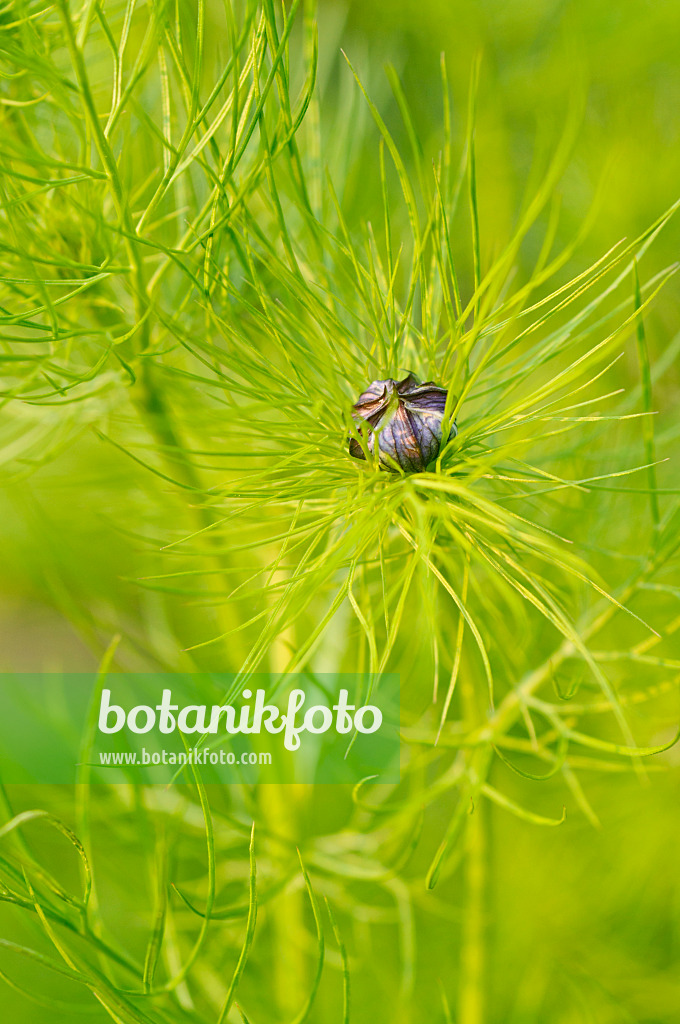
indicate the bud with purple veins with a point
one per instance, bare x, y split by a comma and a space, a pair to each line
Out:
406, 417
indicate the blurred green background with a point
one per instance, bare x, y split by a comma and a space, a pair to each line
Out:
582, 924
537, 58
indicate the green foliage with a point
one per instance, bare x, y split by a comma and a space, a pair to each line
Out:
194, 289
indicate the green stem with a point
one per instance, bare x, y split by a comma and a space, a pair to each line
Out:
147, 397
111, 167
472, 958
156, 414
472, 963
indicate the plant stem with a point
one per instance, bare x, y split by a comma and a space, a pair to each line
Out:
472, 958
156, 415
472, 965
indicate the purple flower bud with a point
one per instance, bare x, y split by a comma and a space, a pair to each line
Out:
406, 417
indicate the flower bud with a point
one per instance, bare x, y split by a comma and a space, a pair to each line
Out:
406, 417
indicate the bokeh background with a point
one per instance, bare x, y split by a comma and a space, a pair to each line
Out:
582, 923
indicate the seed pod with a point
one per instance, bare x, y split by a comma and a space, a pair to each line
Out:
406, 417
